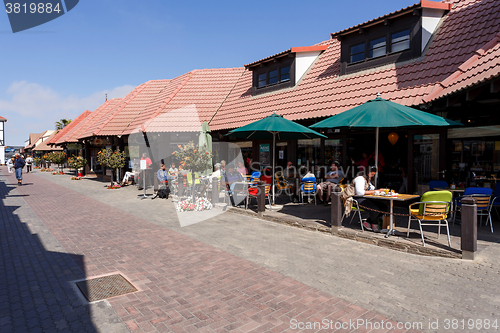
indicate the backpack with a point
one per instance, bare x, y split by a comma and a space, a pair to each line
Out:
163, 193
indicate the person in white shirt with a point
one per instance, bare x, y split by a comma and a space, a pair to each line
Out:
363, 186
173, 171
217, 173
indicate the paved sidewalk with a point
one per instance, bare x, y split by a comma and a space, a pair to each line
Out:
185, 285
403, 287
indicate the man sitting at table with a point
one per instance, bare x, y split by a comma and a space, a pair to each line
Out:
231, 177
332, 179
360, 187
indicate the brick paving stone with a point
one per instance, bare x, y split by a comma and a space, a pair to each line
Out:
106, 239
380, 280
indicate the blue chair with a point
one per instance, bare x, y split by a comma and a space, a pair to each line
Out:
308, 187
255, 177
433, 184
482, 196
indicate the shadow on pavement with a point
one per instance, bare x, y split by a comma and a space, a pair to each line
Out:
36, 294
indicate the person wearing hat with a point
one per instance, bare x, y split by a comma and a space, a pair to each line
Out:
217, 171
332, 178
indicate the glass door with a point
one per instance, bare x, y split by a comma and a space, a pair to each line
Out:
426, 159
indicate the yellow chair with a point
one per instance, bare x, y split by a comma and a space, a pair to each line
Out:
433, 207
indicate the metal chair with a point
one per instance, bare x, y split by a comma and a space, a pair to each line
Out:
433, 207
483, 205
253, 193
307, 187
495, 203
469, 191
281, 185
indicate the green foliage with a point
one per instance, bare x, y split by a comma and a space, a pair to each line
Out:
62, 123
111, 159
57, 157
194, 158
77, 162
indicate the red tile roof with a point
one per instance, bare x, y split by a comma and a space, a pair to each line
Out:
56, 138
422, 4
481, 67
43, 146
3, 119
132, 106
34, 137
290, 50
322, 92
197, 99
74, 133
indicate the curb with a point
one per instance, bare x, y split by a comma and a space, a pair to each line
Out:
353, 235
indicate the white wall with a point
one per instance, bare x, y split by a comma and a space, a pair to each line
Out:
304, 60
430, 20
2, 155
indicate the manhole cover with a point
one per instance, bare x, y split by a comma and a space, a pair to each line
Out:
105, 287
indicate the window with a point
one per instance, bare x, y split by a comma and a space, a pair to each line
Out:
377, 47
400, 41
262, 80
285, 74
274, 76
358, 52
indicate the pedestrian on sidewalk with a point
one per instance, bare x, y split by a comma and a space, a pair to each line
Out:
18, 167
29, 162
10, 165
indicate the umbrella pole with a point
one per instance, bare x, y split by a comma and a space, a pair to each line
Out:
272, 176
376, 154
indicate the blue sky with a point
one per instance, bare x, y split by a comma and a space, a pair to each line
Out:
66, 66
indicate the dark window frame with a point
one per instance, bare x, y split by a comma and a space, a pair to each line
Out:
285, 67
367, 35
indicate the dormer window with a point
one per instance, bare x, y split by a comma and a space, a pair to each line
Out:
392, 38
283, 70
377, 48
400, 41
358, 52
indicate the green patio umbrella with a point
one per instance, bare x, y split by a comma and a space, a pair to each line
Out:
274, 127
205, 138
381, 113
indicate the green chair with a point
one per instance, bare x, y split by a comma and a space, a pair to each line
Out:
431, 210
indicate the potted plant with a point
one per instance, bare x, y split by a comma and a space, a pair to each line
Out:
111, 159
78, 163
195, 159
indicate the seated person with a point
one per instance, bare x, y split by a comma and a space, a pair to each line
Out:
173, 171
266, 175
308, 174
217, 171
127, 176
361, 186
162, 175
332, 178
231, 177
241, 169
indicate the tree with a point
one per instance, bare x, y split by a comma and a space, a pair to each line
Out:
57, 157
62, 123
111, 159
77, 162
195, 159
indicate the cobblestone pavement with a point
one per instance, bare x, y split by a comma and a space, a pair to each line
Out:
403, 287
184, 285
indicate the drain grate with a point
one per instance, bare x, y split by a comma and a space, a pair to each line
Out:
105, 287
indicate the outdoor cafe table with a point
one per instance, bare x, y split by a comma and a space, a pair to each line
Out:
399, 197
